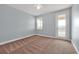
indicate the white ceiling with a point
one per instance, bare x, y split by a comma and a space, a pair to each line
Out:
46, 8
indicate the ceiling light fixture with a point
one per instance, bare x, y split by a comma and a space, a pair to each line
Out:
38, 6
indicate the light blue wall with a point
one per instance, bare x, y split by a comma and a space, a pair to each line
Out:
15, 23
75, 26
49, 23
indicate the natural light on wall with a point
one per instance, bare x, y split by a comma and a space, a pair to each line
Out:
39, 23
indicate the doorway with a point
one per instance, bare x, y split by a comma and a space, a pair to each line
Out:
63, 24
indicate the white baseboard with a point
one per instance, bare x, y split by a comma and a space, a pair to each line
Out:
15, 39
5, 42
26, 37
45, 35
52, 37
75, 47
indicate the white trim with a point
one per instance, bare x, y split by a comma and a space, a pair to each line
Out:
52, 37
75, 47
60, 38
44, 35
5, 42
15, 39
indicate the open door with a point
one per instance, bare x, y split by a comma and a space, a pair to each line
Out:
62, 25
61, 21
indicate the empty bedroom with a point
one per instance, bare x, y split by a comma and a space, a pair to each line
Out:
39, 28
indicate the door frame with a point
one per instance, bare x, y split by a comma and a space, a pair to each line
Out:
68, 18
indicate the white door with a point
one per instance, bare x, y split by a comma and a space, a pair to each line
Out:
62, 24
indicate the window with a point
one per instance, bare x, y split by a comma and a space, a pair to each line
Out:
62, 25
39, 23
